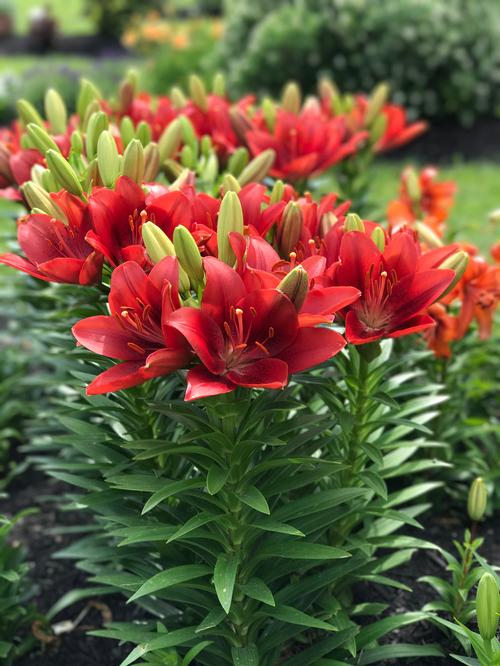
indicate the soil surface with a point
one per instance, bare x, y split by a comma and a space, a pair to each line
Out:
55, 577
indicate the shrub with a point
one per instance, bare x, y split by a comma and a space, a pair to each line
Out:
441, 58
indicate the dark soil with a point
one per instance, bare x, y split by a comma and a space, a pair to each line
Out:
55, 577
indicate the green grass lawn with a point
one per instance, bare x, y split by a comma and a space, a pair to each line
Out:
70, 15
478, 194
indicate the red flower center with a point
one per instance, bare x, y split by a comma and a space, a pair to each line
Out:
239, 348
372, 309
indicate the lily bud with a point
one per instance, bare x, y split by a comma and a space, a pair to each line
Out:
184, 178
143, 133
328, 221
151, 162
28, 113
211, 169
291, 99
125, 95
170, 140
412, 185
277, 192
378, 128
198, 92
132, 76
295, 285
133, 161
92, 108
37, 197
37, 171
206, 145
291, 228
55, 110
87, 95
230, 184
240, 123
258, 168
48, 183
108, 159
328, 90
376, 102
187, 157
63, 172
127, 130
189, 256
158, 244
230, 219
427, 235
477, 499
458, 263
41, 139
238, 161
487, 606
219, 84
269, 112
353, 223
76, 142
98, 123
174, 168
5, 170
188, 134
178, 98
378, 237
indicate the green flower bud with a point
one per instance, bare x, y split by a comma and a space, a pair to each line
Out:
125, 95
291, 228
151, 162
174, 168
37, 171
277, 192
211, 169
170, 140
328, 90
427, 235
230, 184
158, 244
40, 139
88, 94
181, 179
133, 161
55, 110
291, 99
206, 145
458, 263
258, 168
268, 108
353, 223
37, 197
198, 92
143, 133
48, 183
127, 130
378, 128
412, 185
188, 134
487, 606
240, 123
178, 98
28, 113
378, 237
219, 84
376, 102
327, 222
295, 285
132, 76
98, 123
238, 161
76, 142
187, 157
230, 219
108, 159
189, 256
62, 171
92, 108
477, 499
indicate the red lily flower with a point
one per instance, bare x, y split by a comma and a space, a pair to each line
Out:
480, 295
396, 286
140, 305
246, 339
397, 130
440, 336
306, 144
157, 112
56, 251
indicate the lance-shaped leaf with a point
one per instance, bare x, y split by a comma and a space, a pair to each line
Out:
255, 499
225, 571
173, 576
245, 656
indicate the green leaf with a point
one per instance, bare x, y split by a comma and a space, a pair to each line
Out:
310, 656
171, 488
172, 639
192, 524
5, 648
194, 652
270, 525
225, 571
253, 498
173, 576
398, 651
375, 482
216, 479
376, 630
300, 550
214, 618
257, 589
294, 616
245, 656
